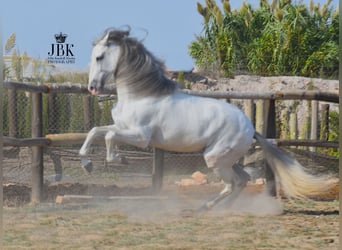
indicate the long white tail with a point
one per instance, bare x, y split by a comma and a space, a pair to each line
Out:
295, 182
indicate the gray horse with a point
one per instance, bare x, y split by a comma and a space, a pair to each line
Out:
151, 111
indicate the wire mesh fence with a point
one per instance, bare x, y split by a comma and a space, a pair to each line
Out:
71, 113
62, 113
63, 165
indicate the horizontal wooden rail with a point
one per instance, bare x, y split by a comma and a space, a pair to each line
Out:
52, 140
68, 139
55, 88
110, 89
68, 88
78, 139
306, 143
27, 142
26, 87
276, 95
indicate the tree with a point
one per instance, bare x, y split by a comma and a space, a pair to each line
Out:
276, 38
214, 52
16, 66
20, 62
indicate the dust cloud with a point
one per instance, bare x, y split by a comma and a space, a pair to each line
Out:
175, 206
257, 204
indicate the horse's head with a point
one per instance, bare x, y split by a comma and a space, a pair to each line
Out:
104, 59
135, 70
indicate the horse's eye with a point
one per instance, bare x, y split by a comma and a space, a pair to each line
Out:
99, 58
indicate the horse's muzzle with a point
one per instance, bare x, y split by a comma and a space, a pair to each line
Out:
96, 85
93, 87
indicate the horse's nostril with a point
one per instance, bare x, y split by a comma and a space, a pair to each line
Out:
91, 88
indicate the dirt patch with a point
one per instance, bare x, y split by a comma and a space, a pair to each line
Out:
157, 225
255, 221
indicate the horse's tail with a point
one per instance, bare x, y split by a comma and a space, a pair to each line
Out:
294, 181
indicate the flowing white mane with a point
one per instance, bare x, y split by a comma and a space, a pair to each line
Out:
137, 68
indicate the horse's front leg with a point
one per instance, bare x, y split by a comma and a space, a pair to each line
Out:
111, 150
92, 135
139, 137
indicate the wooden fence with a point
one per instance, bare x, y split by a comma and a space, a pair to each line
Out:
266, 124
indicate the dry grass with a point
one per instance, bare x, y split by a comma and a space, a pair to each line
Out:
302, 225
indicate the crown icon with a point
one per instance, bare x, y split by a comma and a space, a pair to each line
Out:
60, 38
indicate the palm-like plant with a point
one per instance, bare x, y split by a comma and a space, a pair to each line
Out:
276, 38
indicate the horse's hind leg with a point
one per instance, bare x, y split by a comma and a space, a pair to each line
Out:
241, 179
235, 179
210, 204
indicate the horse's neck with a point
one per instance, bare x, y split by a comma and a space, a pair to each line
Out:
123, 94
126, 97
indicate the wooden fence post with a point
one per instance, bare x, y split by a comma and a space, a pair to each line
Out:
270, 127
314, 122
249, 110
158, 170
259, 117
37, 164
270, 118
293, 126
325, 122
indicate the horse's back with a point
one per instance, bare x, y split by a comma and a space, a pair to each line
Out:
205, 121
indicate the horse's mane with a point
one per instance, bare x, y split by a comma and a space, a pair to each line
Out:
137, 68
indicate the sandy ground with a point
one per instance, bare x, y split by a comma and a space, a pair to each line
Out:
255, 221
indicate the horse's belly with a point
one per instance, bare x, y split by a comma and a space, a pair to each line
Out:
178, 143
181, 147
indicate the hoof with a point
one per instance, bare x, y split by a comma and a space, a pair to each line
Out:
88, 166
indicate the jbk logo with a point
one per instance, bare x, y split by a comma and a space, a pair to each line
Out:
61, 52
